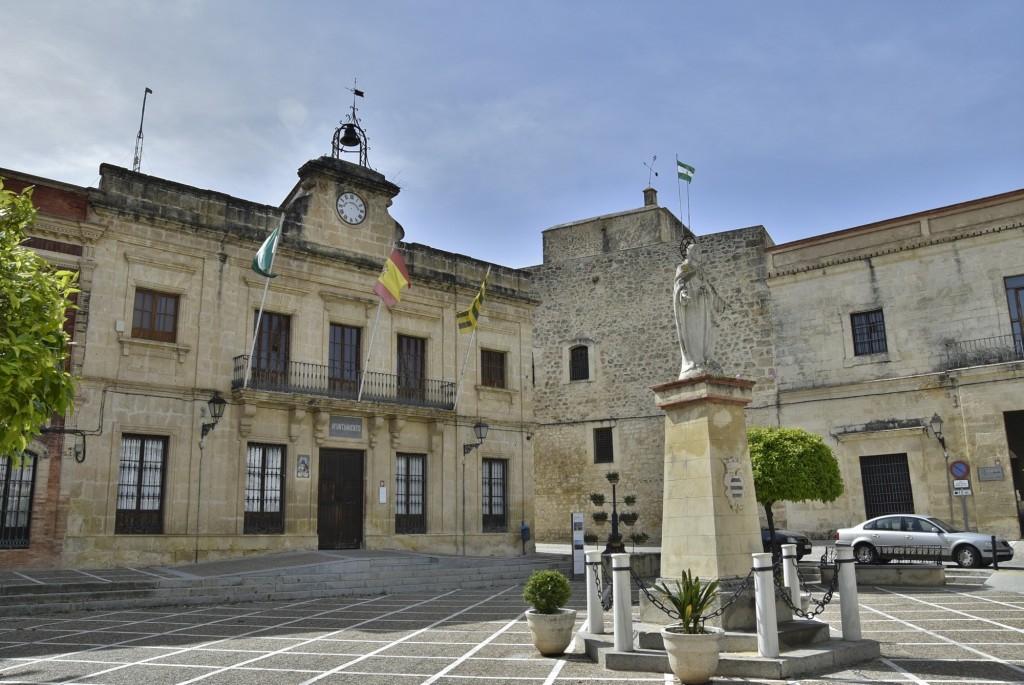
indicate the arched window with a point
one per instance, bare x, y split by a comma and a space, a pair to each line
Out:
579, 363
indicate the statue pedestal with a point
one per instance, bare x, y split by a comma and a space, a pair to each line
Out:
710, 523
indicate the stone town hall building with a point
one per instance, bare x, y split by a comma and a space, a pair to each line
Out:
347, 424
345, 427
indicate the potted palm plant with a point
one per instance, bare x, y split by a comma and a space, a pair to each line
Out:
692, 647
551, 625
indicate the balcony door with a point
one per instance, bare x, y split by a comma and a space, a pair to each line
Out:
270, 361
339, 521
412, 368
1015, 299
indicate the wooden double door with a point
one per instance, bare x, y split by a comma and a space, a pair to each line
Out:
340, 509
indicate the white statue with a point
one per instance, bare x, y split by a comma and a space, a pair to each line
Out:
696, 305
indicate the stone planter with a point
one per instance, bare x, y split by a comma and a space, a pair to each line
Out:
693, 657
551, 633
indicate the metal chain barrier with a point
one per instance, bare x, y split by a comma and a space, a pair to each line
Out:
604, 590
781, 591
672, 613
741, 586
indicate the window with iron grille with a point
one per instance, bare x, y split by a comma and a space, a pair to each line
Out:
1015, 299
886, 482
603, 450
264, 489
344, 353
412, 367
492, 368
140, 485
16, 489
155, 316
492, 497
272, 355
868, 332
410, 493
579, 363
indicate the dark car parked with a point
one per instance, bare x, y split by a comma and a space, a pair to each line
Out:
787, 537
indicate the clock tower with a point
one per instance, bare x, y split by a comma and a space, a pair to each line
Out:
345, 204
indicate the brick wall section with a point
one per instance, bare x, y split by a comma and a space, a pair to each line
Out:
58, 205
49, 197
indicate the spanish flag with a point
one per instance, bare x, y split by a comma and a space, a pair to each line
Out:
393, 277
468, 317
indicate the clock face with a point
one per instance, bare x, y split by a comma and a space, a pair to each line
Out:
351, 208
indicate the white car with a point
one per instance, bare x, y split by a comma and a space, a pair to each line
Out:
875, 541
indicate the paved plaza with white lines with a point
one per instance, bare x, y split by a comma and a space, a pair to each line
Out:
953, 634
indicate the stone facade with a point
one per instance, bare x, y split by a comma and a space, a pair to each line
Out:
606, 283
145, 233
938, 280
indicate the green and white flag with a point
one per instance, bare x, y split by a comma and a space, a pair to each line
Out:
685, 171
263, 262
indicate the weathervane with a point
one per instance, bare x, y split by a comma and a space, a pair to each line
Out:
650, 169
350, 133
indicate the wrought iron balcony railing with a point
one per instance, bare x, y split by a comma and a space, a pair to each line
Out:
317, 379
995, 350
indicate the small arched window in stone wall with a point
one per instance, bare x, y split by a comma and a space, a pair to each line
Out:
579, 363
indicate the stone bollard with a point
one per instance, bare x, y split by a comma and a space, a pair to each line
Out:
764, 600
789, 573
622, 603
849, 604
595, 612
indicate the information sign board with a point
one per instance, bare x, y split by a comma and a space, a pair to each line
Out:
578, 559
963, 492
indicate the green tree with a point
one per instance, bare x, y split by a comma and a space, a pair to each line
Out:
34, 298
791, 465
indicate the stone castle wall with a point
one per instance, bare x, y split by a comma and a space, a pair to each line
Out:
607, 283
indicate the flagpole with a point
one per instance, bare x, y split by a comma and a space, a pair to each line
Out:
465, 361
263, 301
688, 224
373, 335
369, 348
679, 191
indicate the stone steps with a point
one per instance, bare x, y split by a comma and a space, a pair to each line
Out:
338, 578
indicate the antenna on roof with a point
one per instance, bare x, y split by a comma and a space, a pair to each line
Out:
138, 138
650, 169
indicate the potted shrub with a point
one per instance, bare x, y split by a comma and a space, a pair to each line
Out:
638, 539
628, 517
692, 648
600, 516
597, 499
630, 500
550, 624
590, 538
612, 476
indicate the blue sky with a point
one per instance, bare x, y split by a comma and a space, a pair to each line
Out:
501, 119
